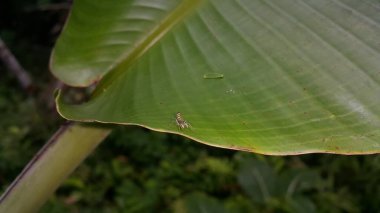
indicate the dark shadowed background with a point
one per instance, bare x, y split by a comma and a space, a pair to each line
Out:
137, 170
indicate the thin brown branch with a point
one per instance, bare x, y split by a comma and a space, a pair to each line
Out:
14, 66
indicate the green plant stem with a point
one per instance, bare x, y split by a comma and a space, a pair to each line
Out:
69, 146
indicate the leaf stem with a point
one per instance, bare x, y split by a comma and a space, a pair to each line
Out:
67, 148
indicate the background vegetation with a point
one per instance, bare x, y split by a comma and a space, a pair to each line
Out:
136, 170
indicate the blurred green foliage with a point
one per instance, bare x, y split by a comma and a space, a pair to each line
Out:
136, 170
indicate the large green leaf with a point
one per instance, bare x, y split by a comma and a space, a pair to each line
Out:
267, 76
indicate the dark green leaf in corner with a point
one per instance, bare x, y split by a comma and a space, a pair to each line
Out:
299, 76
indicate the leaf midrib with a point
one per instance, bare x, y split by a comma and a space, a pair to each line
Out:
144, 44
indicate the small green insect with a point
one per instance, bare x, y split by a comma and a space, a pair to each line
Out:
181, 123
